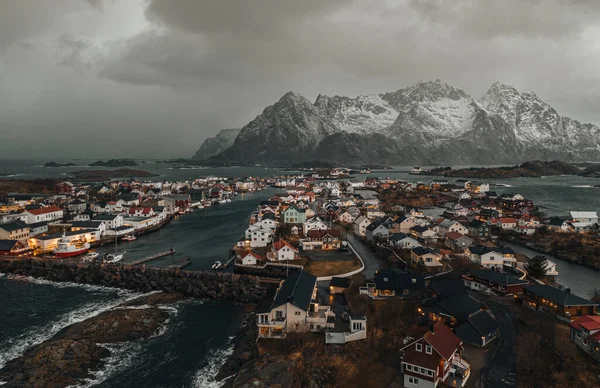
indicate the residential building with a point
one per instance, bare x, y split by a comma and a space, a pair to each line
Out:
403, 225
562, 303
424, 233
111, 221
446, 226
390, 283
377, 230
585, 332
294, 215
360, 226
491, 257
329, 239
346, 217
427, 256
14, 230
479, 229
457, 242
507, 223
403, 241
295, 308
314, 223
13, 247
501, 283
432, 357
283, 251
339, 285
44, 214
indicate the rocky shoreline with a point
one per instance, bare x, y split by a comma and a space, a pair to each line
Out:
103, 175
76, 351
199, 284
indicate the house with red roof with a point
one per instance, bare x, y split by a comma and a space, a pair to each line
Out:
585, 332
250, 258
283, 251
43, 214
507, 223
432, 356
141, 211
328, 239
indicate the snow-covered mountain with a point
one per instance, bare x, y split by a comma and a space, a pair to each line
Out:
215, 145
426, 123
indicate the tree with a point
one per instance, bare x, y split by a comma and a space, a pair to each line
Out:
536, 267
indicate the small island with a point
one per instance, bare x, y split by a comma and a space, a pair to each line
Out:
115, 163
592, 171
103, 175
533, 169
54, 164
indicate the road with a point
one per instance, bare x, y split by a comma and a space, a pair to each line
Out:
371, 262
502, 363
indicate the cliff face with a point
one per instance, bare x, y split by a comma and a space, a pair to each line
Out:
426, 123
215, 145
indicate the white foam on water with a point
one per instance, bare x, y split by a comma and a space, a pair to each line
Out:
503, 184
583, 186
121, 358
14, 347
205, 377
89, 287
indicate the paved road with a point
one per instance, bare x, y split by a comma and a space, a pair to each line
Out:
371, 262
502, 362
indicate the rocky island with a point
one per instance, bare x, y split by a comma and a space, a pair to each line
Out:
54, 164
102, 175
115, 163
531, 169
77, 350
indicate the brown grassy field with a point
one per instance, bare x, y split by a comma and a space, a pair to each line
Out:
330, 268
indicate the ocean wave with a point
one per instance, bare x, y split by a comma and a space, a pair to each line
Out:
503, 185
88, 287
15, 347
11, 175
205, 377
583, 186
121, 358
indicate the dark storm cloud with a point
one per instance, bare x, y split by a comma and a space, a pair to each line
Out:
158, 76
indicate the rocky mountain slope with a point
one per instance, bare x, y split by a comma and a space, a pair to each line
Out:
215, 145
426, 123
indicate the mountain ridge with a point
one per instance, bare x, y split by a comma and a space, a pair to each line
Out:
429, 122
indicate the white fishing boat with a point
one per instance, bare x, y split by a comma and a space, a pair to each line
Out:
113, 258
91, 256
129, 237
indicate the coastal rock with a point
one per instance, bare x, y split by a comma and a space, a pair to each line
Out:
227, 286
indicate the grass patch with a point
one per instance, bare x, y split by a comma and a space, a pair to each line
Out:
330, 268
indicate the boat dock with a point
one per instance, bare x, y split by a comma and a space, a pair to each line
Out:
154, 257
181, 263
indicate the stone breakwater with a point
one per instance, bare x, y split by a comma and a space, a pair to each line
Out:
199, 284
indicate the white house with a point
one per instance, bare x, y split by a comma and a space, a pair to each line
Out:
446, 226
250, 258
376, 230
43, 214
314, 223
427, 256
110, 220
283, 251
346, 217
374, 213
360, 226
464, 195
259, 236
403, 241
491, 257
591, 217
295, 309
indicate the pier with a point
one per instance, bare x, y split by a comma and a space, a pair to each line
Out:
154, 257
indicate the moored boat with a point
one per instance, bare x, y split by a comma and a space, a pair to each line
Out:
66, 248
90, 256
129, 237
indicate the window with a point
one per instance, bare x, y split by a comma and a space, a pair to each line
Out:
279, 314
422, 371
409, 367
428, 349
297, 313
413, 380
430, 373
419, 347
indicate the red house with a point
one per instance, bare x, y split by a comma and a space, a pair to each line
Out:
12, 247
434, 356
65, 188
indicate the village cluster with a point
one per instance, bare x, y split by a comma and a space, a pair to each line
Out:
313, 216
440, 264
86, 215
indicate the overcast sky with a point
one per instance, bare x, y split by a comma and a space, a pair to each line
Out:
154, 78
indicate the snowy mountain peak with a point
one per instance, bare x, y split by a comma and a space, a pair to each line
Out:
363, 114
420, 92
